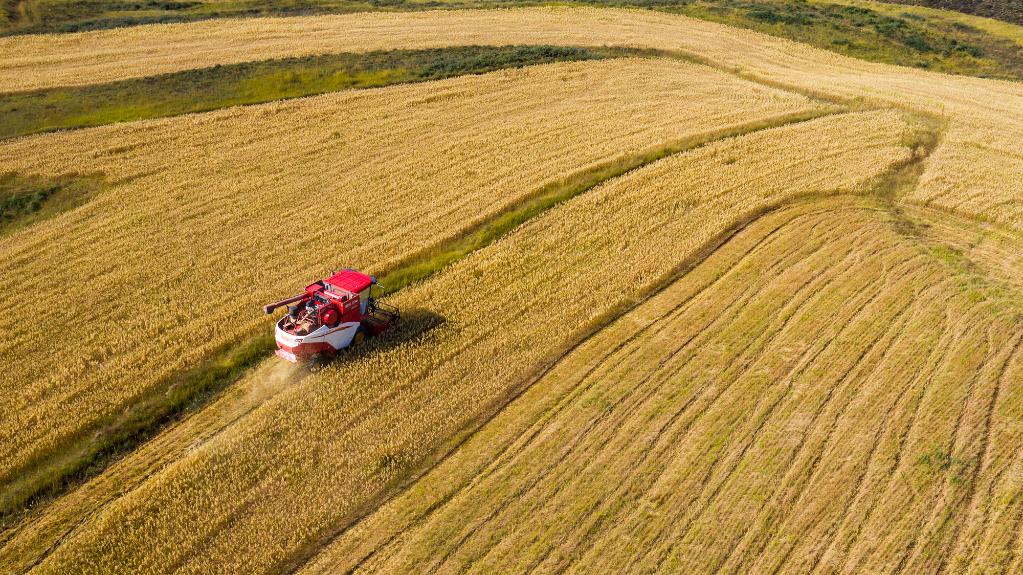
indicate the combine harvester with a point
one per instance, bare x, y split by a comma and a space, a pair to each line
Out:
333, 313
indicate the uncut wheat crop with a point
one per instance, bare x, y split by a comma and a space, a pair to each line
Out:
280, 481
358, 179
976, 170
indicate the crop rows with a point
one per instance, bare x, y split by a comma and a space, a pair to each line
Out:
281, 480
800, 402
209, 216
976, 171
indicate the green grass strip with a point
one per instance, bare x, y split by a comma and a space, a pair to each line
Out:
255, 82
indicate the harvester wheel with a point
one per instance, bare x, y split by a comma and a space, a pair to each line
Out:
317, 362
360, 336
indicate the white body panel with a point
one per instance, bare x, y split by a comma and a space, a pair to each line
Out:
338, 337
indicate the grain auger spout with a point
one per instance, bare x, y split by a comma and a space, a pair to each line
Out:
270, 307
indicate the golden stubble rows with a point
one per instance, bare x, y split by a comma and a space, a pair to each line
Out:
212, 215
746, 419
976, 171
282, 479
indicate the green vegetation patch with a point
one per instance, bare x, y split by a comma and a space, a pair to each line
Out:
25, 200
1007, 10
254, 82
905, 39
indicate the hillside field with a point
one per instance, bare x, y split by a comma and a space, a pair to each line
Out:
677, 297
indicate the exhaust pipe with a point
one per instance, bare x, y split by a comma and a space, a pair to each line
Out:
269, 308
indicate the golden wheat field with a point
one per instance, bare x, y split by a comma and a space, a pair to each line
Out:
786, 336
401, 413
439, 158
748, 418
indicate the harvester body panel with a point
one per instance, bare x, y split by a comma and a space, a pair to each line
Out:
332, 314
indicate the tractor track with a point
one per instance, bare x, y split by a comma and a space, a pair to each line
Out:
799, 450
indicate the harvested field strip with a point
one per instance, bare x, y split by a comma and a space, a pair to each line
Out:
257, 82
507, 317
715, 428
198, 184
255, 389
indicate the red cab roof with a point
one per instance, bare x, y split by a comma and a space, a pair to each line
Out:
350, 280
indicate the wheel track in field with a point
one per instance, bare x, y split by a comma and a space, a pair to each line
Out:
931, 530
897, 327
905, 317
970, 500
883, 431
779, 497
763, 340
805, 362
854, 563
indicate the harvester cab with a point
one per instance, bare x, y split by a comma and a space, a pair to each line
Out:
330, 315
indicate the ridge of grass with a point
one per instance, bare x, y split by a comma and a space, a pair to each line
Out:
91, 451
263, 81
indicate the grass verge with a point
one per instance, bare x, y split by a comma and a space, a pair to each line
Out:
256, 82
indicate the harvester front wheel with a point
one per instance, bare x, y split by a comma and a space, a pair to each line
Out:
317, 362
360, 336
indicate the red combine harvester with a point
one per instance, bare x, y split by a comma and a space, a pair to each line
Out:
332, 314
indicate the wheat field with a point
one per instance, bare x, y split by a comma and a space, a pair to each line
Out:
788, 346
976, 171
392, 171
343, 443
789, 406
